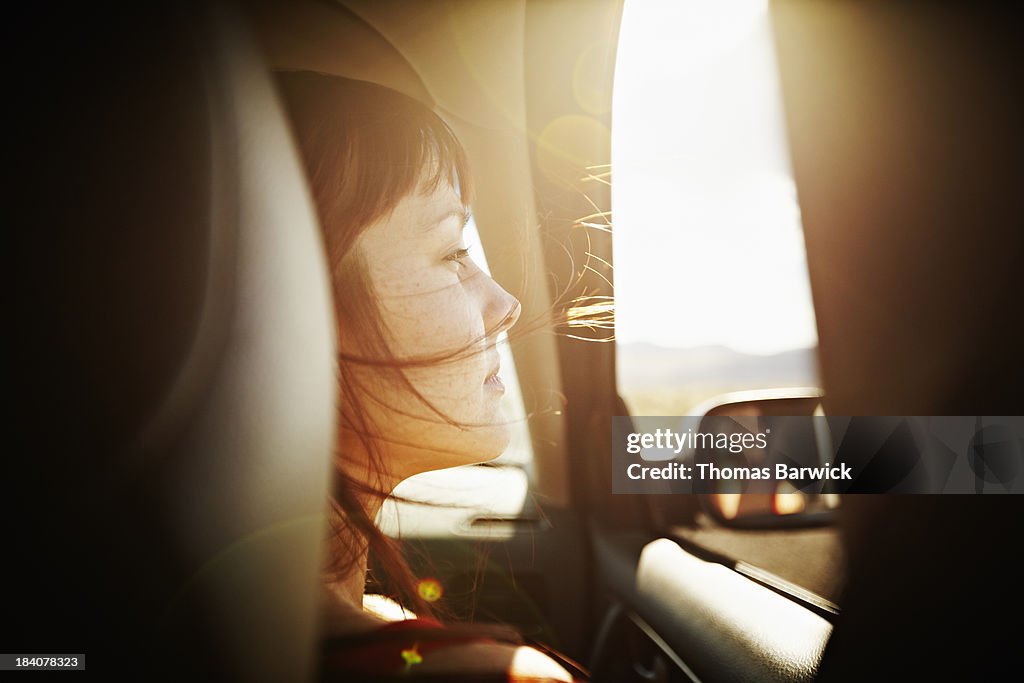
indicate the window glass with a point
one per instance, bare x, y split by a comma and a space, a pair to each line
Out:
711, 280
459, 495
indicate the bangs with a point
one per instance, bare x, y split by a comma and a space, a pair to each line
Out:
405, 148
366, 147
443, 160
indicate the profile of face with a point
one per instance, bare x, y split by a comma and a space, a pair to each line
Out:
435, 303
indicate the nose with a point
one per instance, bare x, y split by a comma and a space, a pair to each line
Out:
501, 309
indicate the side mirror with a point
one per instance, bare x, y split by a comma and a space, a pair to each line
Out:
767, 504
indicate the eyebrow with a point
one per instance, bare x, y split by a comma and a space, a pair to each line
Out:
456, 211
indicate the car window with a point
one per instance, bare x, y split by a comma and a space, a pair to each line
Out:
711, 284
459, 495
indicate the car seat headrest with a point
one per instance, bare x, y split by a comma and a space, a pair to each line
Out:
174, 369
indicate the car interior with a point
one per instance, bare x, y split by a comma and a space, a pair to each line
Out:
172, 375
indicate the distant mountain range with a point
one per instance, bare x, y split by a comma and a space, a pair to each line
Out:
644, 367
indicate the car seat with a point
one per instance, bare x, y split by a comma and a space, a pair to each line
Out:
173, 352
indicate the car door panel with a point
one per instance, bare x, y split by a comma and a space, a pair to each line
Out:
721, 625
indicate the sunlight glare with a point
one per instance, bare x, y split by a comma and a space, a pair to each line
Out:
708, 244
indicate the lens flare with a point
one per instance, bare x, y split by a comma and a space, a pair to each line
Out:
412, 656
430, 589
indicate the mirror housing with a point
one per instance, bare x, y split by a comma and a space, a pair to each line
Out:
778, 505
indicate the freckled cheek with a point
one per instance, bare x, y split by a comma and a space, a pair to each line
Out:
433, 323
438, 324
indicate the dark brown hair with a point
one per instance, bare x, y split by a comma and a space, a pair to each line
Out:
365, 147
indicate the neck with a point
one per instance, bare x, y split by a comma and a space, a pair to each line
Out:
352, 586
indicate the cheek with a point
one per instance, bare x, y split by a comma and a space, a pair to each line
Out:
435, 325
432, 323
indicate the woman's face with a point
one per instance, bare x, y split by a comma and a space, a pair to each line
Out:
434, 301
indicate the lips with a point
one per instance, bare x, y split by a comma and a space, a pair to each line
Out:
493, 381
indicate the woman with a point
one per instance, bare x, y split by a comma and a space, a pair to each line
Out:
418, 368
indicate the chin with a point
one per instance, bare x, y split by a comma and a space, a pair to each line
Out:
484, 444
485, 432
460, 448
500, 438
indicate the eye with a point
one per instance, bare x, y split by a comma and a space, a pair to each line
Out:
458, 256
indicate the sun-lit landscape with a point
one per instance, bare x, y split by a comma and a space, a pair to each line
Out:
657, 380
711, 284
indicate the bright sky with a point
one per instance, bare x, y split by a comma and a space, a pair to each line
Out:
708, 246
